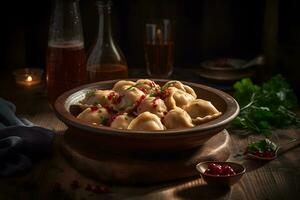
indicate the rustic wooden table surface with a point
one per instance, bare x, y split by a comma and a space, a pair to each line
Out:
277, 179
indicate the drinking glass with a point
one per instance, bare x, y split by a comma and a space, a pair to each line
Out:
159, 48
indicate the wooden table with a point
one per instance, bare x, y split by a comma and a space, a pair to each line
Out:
277, 179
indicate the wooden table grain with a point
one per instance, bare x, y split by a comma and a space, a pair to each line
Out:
277, 179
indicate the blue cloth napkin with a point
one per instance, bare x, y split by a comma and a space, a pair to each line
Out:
21, 142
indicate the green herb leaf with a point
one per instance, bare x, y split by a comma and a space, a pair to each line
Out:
262, 145
104, 120
90, 93
265, 107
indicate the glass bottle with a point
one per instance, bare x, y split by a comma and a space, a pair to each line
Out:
66, 60
106, 60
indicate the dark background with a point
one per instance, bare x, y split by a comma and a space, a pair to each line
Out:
205, 29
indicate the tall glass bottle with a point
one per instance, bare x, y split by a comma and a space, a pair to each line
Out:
66, 60
106, 60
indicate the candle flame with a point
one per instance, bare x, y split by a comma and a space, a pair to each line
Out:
29, 79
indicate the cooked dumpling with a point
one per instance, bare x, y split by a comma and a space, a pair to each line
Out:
129, 99
95, 115
154, 105
180, 86
177, 118
121, 121
190, 91
177, 98
147, 86
122, 85
97, 97
146, 122
201, 111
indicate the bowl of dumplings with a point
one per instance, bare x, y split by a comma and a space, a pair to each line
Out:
145, 116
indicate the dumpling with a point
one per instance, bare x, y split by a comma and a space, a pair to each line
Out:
190, 91
177, 98
121, 121
146, 122
180, 86
122, 85
130, 98
154, 105
201, 111
176, 84
95, 115
97, 97
147, 86
177, 118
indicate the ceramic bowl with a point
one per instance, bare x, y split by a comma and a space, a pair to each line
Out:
121, 141
221, 180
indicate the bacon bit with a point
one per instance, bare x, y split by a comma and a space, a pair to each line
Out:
151, 84
165, 93
143, 90
114, 98
108, 109
118, 100
154, 102
111, 96
94, 108
138, 102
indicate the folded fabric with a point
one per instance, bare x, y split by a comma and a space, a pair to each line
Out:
21, 142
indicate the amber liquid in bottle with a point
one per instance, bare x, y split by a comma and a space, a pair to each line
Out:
107, 72
106, 60
66, 65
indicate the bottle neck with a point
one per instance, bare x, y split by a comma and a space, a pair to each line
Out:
65, 22
104, 32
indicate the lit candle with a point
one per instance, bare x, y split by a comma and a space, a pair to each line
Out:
28, 76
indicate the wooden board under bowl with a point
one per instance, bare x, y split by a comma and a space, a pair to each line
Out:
143, 168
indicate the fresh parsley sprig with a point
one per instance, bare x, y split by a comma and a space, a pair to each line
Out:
265, 107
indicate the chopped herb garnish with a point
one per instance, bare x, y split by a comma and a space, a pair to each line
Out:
104, 120
90, 93
96, 103
134, 86
167, 85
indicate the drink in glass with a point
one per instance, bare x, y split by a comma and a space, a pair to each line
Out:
159, 48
